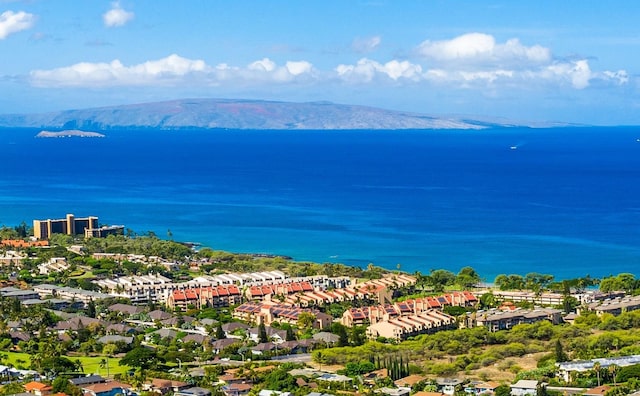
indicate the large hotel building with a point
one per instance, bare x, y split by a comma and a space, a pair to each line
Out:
87, 226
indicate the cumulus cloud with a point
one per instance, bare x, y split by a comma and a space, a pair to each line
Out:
117, 16
474, 61
13, 22
366, 45
170, 71
167, 70
366, 70
296, 68
482, 49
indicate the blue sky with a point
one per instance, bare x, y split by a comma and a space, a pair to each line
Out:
567, 61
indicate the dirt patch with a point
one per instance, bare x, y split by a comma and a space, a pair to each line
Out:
507, 370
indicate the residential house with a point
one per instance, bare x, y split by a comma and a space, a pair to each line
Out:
161, 334
234, 327
55, 264
263, 347
164, 386
119, 328
237, 389
114, 338
159, 315
87, 380
329, 339
524, 387
448, 385
110, 388
126, 309
425, 393
197, 338
193, 391
77, 323
38, 388
399, 391
276, 335
486, 388
219, 345
409, 381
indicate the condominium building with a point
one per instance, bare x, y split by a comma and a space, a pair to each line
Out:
103, 231
70, 225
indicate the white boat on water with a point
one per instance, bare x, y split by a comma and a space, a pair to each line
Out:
513, 147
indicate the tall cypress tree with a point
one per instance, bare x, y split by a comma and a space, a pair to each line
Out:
262, 333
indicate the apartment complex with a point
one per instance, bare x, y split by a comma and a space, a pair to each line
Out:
385, 312
198, 298
71, 225
402, 327
159, 289
496, 320
103, 231
615, 306
268, 312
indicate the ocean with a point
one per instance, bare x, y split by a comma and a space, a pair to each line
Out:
562, 201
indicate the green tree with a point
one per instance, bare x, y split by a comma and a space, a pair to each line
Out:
510, 282
340, 330
141, 357
439, 279
290, 335
487, 301
559, 352
596, 369
279, 380
262, 333
306, 320
219, 332
61, 384
467, 278
104, 364
11, 388
91, 309
503, 390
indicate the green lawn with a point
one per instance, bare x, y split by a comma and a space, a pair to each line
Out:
91, 364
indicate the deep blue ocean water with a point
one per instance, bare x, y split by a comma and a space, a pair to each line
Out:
565, 202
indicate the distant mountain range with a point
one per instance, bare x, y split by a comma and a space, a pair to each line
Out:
239, 114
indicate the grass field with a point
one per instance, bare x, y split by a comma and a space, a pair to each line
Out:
91, 364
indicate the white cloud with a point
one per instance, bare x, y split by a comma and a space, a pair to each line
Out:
170, 71
299, 67
578, 73
366, 70
366, 45
13, 22
470, 61
265, 64
481, 49
163, 71
117, 16
619, 77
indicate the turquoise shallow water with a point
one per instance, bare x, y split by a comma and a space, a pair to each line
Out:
565, 201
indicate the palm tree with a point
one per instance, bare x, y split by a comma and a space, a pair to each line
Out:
596, 368
612, 370
104, 363
79, 366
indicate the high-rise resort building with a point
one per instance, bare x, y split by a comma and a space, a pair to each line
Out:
70, 225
